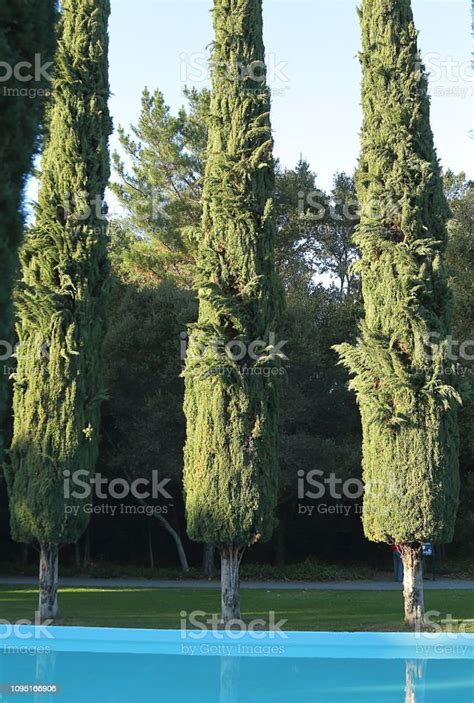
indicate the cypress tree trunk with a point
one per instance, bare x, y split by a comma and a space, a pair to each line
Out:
232, 391
413, 583
231, 556
61, 299
26, 30
406, 388
48, 581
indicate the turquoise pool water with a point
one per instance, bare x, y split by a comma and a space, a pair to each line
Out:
120, 666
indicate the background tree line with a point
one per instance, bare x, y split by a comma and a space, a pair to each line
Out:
152, 247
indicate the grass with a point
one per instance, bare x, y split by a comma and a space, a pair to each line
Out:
303, 610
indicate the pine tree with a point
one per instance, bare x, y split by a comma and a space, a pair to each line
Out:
407, 401
26, 35
162, 191
231, 402
60, 302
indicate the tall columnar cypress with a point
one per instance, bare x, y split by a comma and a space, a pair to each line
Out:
400, 366
231, 401
60, 301
26, 48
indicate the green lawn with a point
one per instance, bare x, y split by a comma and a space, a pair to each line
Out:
304, 610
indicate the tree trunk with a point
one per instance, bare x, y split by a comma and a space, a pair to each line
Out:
208, 563
77, 554
87, 548
46, 669
48, 581
231, 556
413, 584
230, 688
150, 545
414, 680
183, 560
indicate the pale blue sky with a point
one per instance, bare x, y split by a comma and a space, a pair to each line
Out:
312, 50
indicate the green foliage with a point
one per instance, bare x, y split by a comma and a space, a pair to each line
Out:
162, 194
315, 229
459, 266
460, 254
231, 467
335, 248
406, 397
309, 570
318, 410
293, 254
26, 30
60, 300
143, 419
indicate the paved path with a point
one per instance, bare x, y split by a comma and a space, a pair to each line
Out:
265, 585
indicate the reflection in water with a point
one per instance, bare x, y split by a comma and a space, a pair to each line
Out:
107, 677
46, 675
230, 675
415, 673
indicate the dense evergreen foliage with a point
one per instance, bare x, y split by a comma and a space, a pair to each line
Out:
160, 187
143, 421
154, 250
26, 35
459, 265
404, 388
60, 302
231, 466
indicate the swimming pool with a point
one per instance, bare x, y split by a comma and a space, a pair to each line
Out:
95, 665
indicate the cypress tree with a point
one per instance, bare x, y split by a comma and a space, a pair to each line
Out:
408, 404
60, 301
26, 37
231, 401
